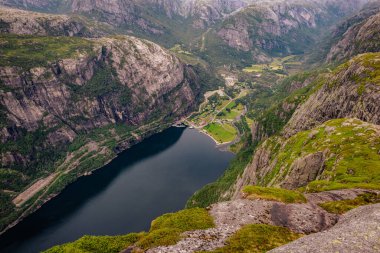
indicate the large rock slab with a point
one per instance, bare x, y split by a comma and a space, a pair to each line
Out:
357, 231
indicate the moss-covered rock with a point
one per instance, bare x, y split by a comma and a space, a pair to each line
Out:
258, 238
98, 244
342, 206
341, 153
276, 194
352, 90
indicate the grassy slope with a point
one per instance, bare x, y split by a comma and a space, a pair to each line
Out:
352, 158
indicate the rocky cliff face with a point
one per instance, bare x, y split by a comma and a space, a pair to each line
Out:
318, 159
361, 36
246, 24
270, 27
352, 90
142, 82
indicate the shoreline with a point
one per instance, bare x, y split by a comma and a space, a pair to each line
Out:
122, 146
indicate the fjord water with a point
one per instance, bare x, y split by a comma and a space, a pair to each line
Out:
151, 178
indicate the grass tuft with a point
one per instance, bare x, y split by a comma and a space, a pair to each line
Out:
258, 238
276, 194
342, 206
98, 244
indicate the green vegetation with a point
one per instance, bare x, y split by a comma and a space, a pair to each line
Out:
244, 128
258, 238
208, 109
372, 72
369, 74
277, 66
184, 220
160, 237
217, 52
98, 244
188, 57
165, 230
34, 51
103, 82
260, 102
352, 159
6, 205
276, 194
232, 111
221, 132
342, 206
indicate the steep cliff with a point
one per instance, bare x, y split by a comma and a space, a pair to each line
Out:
269, 28
351, 90
63, 98
318, 159
359, 34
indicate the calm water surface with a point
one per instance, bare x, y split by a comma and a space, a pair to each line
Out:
154, 177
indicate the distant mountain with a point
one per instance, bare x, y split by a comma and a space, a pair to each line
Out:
273, 28
359, 34
262, 28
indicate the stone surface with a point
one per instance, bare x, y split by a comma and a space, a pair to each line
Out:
357, 231
359, 34
304, 170
230, 216
340, 97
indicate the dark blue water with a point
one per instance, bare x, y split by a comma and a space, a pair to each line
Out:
154, 177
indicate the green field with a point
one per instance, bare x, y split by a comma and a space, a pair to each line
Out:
278, 65
232, 111
208, 110
221, 132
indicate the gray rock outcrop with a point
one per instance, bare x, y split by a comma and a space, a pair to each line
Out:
357, 231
